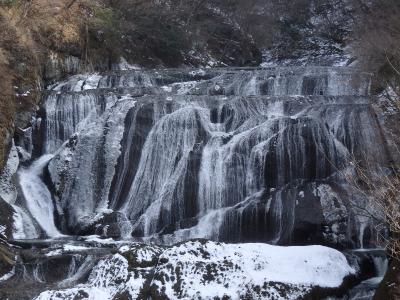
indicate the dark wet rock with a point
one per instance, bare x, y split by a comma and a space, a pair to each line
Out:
390, 285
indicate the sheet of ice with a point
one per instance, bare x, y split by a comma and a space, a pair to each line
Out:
86, 200
23, 227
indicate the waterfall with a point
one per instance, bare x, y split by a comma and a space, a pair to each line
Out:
381, 265
23, 225
227, 154
161, 173
65, 115
38, 197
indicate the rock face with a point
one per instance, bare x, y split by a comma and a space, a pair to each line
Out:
241, 155
209, 270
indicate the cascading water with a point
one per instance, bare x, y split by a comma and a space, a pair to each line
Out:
164, 156
245, 151
241, 151
38, 197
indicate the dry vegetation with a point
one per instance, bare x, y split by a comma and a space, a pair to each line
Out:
31, 30
381, 186
15, 60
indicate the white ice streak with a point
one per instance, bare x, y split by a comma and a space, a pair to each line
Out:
38, 198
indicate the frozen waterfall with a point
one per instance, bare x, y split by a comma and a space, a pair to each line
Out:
37, 195
227, 154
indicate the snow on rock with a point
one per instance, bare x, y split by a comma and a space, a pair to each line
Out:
103, 283
92, 81
2, 230
114, 277
8, 275
141, 255
78, 83
8, 190
202, 269
99, 241
335, 213
205, 270
75, 293
74, 248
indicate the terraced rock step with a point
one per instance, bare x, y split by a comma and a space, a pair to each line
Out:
248, 81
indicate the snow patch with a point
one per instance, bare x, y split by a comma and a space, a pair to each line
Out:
206, 270
235, 270
8, 190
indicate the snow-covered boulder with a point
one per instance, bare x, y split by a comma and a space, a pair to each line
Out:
202, 269
209, 270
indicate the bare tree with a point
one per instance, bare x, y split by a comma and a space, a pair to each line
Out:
381, 187
377, 45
